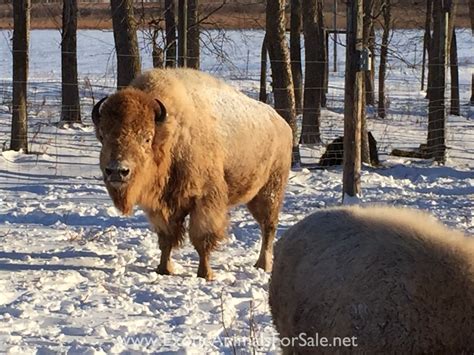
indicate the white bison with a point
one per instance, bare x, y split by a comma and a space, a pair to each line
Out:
394, 279
179, 142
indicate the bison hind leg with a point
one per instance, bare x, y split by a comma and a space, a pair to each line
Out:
265, 207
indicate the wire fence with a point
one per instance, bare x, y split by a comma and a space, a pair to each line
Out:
236, 59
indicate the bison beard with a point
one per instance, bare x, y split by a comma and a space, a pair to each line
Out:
121, 197
179, 138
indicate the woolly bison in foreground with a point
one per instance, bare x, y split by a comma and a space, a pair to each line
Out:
179, 142
394, 279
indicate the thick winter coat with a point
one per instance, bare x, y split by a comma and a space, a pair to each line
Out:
179, 142
395, 279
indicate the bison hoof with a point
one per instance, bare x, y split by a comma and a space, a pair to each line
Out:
165, 270
264, 265
206, 274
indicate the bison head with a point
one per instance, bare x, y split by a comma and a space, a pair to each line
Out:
130, 124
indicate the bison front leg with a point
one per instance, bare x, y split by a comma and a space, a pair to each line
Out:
207, 227
166, 266
170, 236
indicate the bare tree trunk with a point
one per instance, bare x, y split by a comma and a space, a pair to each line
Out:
126, 43
367, 85
471, 13
326, 66
436, 108
364, 142
314, 70
426, 40
472, 90
193, 34
429, 45
21, 28
295, 52
372, 62
353, 96
170, 24
323, 49
386, 11
453, 63
335, 36
182, 33
263, 71
157, 53
71, 108
283, 89
450, 6
369, 42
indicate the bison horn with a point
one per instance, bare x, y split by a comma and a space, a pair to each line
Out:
160, 112
96, 111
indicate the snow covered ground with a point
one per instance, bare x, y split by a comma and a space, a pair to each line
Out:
76, 277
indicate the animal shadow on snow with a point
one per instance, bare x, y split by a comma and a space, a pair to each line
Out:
71, 254
413, 174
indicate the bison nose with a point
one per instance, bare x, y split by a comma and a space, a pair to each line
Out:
117, 171
108, 171
124, 172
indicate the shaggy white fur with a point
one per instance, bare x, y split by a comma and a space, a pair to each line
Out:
214, 148
396, 279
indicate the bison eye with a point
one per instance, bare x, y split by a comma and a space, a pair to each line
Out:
148, 139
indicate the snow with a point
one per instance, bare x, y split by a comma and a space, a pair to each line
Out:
76, 277
349, 200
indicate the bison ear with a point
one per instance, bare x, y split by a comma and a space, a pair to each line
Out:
96, 111
160, 112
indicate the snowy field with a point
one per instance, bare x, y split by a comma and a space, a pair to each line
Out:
76, 277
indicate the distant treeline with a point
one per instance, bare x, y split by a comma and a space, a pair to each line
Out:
95, 14
327, 3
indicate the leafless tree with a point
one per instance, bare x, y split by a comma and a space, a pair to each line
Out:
154, 34
182, 33
368, 35
369, 42
157, 52
170, 25
126, 43
296, 27
471, 13
193, 34
21, 28
315, 66
283, 89
426, 41
263, 71
386, 25
71, 108
437, 82
353, 96
453, 64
